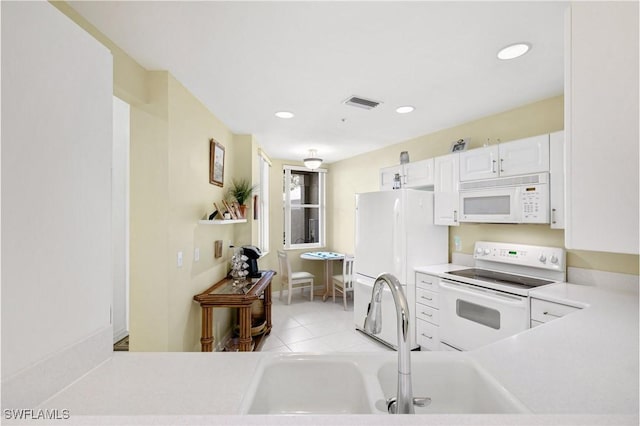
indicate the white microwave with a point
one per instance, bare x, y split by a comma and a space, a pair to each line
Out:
518, 199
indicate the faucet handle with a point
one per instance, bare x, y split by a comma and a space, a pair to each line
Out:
421, 401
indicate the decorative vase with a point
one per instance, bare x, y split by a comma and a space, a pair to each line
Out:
243, 210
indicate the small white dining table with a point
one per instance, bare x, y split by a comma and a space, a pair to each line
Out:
327, 257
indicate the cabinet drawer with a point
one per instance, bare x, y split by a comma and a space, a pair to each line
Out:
427, 335
427, 282
427, 313
544, 311
427, 297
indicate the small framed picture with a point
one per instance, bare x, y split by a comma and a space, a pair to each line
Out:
216, 163
459, 145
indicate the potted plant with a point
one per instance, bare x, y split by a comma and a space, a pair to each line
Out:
241, 190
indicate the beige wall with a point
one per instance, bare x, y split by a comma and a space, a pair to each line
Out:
360, 174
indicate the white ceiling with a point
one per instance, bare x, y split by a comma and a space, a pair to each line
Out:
247, 60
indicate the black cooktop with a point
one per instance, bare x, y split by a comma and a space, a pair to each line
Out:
499, 277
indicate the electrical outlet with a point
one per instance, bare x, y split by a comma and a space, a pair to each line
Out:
180, 259
196, 254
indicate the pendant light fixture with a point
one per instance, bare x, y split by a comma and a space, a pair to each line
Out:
312, 162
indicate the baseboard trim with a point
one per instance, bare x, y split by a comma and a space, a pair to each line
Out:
32, 386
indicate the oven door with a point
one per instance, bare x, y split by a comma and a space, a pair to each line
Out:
497, 205
471, 316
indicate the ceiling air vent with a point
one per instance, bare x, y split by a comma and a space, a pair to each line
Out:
359, 102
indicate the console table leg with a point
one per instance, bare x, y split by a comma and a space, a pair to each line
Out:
245, 329
206, 341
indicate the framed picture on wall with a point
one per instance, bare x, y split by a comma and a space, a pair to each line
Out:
216, 163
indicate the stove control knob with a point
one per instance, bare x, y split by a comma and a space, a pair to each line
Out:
486, 252
479, 251
542, 258
554, 259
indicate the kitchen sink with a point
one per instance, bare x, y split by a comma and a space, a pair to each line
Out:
454, 386
308, 384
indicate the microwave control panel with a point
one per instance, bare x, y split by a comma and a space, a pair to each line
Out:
534, 201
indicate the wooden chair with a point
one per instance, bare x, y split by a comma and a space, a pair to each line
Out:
344, 283
293, 280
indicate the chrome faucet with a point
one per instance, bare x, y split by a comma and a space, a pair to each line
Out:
404, 402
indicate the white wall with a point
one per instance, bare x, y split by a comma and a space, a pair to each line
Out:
56, 202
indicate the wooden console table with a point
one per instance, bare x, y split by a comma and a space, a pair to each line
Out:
224, 294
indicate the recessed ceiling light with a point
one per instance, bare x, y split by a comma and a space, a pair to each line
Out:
284, 114
513, 51
404, 109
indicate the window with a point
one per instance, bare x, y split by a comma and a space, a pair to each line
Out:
263, 203
304, 207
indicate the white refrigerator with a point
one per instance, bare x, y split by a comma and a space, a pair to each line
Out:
394, 234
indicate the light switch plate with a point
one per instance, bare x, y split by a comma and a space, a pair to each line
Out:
196, 254
179, 259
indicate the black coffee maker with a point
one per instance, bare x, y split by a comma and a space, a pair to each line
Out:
253, 253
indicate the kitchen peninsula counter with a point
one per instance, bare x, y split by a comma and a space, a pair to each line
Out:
581, 369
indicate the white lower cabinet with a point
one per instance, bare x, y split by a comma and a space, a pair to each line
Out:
427, 312
543, 311
427, 335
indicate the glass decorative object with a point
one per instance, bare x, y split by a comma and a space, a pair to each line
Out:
404, 157
239, 268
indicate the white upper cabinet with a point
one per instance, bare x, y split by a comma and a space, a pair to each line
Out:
387, 175
445, 190
556, 179
524, 156
519, 157
479, 163
601, 124
417, 174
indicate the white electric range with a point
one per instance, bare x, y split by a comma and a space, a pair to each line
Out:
490, 301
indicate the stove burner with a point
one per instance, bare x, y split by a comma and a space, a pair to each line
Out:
500, 277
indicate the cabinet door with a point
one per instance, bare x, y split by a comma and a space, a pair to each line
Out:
524, 156
556, 179
480, 163
601, 124
419, 174
387, 174
445, 190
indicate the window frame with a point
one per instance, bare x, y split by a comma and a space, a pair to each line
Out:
322, 208
263, 203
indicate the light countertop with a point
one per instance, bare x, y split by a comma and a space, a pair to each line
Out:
581, 369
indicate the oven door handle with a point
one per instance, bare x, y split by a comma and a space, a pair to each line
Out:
482, 293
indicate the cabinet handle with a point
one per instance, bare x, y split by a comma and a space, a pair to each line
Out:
493, 166
553, 215
551, 315
426, 298
426, 282
429, 315
455, 215
502, 165
424, 335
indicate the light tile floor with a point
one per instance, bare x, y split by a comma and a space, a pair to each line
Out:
306, 326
